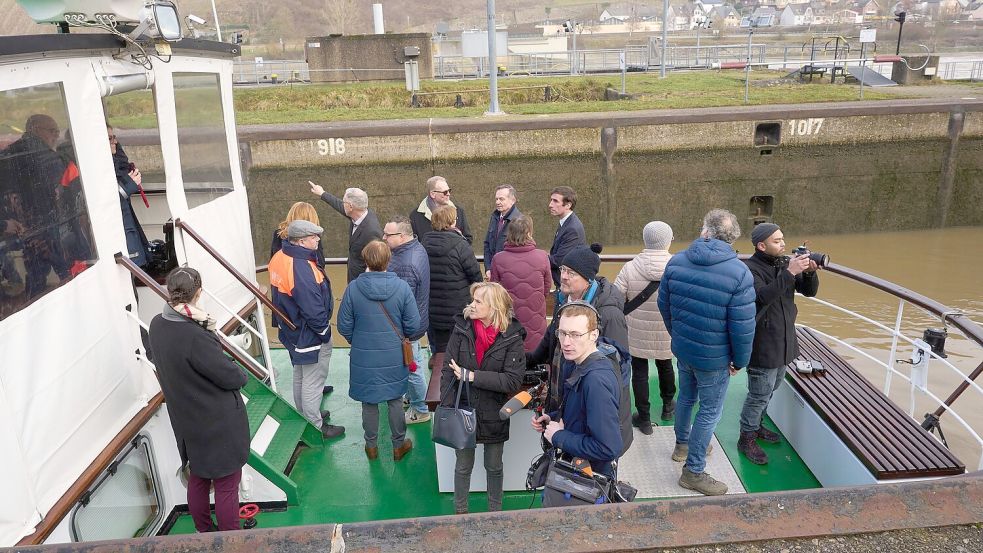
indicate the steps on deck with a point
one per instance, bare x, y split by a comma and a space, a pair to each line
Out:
270, 454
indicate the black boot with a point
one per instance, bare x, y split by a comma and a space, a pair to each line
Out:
750, 448
644, 426
668, 409
768, 436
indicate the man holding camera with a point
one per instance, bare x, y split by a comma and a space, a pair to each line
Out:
776, 280
587, 422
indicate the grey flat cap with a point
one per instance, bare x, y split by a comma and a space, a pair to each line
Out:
301, 229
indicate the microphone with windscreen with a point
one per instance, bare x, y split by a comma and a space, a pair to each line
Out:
519, 401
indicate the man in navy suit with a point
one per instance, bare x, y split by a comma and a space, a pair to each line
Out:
505, 212
570, 233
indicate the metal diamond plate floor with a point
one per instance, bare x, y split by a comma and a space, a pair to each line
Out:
649, 467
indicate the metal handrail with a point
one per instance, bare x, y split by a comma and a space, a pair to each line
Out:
149, 282
235, 273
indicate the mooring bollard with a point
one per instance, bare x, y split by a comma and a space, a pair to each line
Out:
459, 102
547, 94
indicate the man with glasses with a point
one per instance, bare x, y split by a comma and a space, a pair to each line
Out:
410, 262
31, 179
303, 293
505, 212
587, 423
438, 194
363, 224
579, 281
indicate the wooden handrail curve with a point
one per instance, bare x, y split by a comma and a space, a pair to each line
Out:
61, 508
235, 273
249, 364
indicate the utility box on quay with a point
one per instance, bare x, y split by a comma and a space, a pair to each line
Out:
346, 58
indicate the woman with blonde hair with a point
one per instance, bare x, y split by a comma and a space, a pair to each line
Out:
485, 350
300, 211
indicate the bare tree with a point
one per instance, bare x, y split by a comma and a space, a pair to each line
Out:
342, 15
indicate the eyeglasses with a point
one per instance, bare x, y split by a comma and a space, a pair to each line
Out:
563, 334
388, 234
112, 138
443, 192
567, 271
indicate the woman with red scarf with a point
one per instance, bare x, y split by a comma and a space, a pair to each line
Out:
485, 348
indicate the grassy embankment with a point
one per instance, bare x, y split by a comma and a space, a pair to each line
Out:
389, 100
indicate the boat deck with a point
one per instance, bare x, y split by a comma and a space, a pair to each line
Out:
338, 484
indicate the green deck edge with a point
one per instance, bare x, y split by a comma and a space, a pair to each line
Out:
338, 484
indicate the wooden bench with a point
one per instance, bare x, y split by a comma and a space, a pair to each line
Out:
433, 388
810, 71
882, 436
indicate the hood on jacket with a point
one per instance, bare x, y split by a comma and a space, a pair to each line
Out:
709, 251
377, 286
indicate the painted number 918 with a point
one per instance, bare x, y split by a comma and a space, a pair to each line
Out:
331, 146
805, 127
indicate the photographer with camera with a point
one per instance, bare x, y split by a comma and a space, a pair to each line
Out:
776, 279
587, 422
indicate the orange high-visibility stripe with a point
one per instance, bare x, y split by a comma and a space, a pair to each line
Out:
281, 270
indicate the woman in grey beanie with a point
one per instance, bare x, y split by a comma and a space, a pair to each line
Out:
647, 334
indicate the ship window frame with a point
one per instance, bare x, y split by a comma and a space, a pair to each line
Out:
207, 193
141, 443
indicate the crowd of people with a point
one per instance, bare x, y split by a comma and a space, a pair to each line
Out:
417, 276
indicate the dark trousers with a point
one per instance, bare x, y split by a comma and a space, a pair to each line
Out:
226, 501
439, 338
640, 384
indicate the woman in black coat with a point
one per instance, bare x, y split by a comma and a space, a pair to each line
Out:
201, 388
453, 269
486, 350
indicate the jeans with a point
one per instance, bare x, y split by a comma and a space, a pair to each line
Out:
710, 388
494, 469
417, 391
761, 385
309, 385
226, 501
370, 422
640, 384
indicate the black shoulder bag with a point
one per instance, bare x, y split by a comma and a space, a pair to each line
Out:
642, 297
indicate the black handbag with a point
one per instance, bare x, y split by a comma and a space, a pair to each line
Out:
455, 427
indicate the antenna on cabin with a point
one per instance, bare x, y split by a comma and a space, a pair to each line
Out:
135, 19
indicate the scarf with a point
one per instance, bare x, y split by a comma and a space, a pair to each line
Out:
196, 314
484, 337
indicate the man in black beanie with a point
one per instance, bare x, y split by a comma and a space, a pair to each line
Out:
775, 344
579, 281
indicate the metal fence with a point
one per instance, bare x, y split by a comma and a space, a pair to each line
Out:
639, 58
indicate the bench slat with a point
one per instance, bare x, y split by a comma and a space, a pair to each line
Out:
886, 440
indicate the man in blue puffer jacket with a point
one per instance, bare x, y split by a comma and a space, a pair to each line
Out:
707, 301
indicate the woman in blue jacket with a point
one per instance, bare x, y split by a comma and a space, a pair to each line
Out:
377, 312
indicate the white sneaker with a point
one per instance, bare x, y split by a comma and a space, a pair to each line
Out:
413, 416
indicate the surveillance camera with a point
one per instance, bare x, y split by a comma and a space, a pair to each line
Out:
195, 19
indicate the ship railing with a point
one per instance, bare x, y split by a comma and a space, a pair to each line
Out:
948, 316
230, 347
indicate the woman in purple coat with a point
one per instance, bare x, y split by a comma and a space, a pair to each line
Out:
525, 272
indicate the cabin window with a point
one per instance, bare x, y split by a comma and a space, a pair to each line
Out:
125, 502
45, 236
202, 138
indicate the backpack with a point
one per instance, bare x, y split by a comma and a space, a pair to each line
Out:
621, 364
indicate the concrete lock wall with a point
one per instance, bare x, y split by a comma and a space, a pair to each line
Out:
341, 58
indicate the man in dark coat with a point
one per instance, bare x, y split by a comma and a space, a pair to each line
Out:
363, 224
707, 302
776, 280
505, 212
410, 262
570, 233
589, 425
438, 194
201, 388
33, 171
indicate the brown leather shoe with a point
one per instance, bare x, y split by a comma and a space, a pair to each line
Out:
372, 452
402, 450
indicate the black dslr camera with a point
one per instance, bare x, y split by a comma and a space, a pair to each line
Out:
820, 259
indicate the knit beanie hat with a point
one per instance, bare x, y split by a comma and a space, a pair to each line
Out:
657, 235
762, 232
584, 261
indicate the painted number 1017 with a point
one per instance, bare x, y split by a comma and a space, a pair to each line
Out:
805, 127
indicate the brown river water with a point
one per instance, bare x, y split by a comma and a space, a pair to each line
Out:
942, 264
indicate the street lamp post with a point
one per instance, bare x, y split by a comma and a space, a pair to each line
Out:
218, 29
702, 22
493, 108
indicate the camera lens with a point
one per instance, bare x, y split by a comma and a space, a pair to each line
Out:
821, 259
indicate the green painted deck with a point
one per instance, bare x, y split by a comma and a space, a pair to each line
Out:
338, 484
